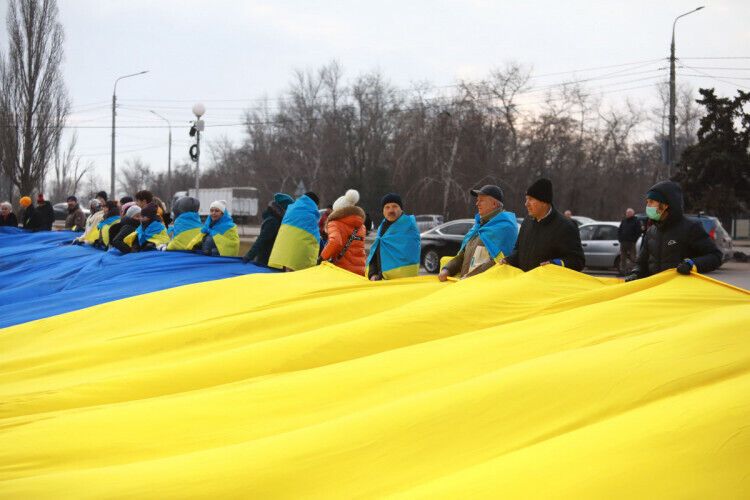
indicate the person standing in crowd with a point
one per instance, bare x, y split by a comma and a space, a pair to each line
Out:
546, 235
163, 212
76, 219
673, 241
269, 229
219, 236
45, 213
111, 217
126, 199
29, 216
322, 226
187, 224
143, 198
150, 233
396, 249
7, 217
91, 232
115, 228
346, 234
129, 223
298, 243
627, 235
490, 239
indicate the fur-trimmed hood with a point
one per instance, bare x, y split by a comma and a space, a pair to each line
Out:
342, 213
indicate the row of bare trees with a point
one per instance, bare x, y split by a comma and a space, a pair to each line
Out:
433, 148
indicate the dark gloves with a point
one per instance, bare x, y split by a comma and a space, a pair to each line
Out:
631, 277
685, 266
245, 258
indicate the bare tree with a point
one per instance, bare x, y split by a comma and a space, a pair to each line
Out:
69, 172
33, 98
135, 176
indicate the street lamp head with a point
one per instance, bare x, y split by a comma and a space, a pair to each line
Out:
701, 7
199, 110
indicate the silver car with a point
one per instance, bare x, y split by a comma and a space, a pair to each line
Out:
426, 222
600, 244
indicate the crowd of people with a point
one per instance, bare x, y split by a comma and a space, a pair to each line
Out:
296, 234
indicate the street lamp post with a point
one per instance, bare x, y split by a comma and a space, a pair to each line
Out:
672, 97
169, 157
198, 110
114, 105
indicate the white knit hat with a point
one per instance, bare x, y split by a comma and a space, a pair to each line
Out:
348, 200
220, 204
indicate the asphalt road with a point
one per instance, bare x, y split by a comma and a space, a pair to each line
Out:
732, 272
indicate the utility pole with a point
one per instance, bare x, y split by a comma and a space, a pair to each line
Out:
673, 98
169, 157
114, 112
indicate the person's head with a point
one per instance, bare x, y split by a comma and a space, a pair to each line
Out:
350, 199
102, 197
392, 206
40, 199
25, 201
124, 207
133, 211
539, 198
657, 205
5, 208
125, 199
217, 209
629, 213
568, 214
313, 197
488, 199
149, 213
185, 204
95, 205
72, 202
282, 200
113, 208
143, 198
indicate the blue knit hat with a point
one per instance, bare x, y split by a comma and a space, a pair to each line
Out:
283, 199
657, 196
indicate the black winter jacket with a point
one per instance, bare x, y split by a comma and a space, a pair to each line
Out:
30, 219
629, 230
269, 229
119, 231
554, 237
46, 216
676, 238
11, 220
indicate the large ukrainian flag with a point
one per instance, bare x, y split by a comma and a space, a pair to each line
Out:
321, 384
297, 244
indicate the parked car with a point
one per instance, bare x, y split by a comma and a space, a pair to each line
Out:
443, 240
600, 245
580, 220
61, 211
713, 227
425, 222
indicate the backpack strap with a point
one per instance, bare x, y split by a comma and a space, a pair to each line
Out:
353, 237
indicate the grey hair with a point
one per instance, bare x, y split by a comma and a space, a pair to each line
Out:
6, 204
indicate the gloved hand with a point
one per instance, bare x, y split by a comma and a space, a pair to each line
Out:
76, 242
557, 262
245, 259
162, 247
685, 266
630, 277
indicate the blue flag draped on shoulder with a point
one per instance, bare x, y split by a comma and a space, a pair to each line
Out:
298, 243
498, 234
186, 226
151, 233
399, 247
108, 222
224, 233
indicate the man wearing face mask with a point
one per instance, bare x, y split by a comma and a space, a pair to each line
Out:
673, 241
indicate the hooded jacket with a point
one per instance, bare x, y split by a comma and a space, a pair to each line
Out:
269, 229
676, 238
342, 223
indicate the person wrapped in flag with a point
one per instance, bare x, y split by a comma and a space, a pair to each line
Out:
218, 237
186, 226
151, 233
489, 241
298, 242
396, 249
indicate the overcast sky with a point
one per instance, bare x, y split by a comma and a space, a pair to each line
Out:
228, 53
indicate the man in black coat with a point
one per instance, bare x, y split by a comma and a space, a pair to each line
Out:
627, 235
45, 213
673, 241
546, 236
269, 229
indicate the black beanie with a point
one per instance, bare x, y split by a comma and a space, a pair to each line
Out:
391, 198
125, 199
150, 211
541, 190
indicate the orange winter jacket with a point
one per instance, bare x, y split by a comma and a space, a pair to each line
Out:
340, 226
